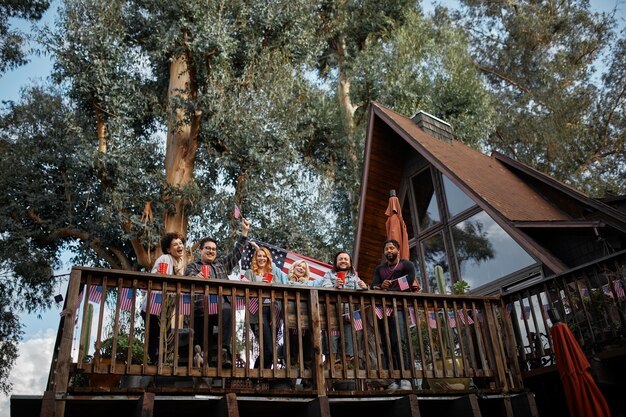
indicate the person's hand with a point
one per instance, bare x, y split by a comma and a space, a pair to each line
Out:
245, 227
338, 283
385, 285
362, 284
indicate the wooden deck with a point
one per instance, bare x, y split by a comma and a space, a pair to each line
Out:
454, 350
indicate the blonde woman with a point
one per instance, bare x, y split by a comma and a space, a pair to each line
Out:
260, 267
300, 274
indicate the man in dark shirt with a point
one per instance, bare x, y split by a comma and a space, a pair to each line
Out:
219, 268
391, 276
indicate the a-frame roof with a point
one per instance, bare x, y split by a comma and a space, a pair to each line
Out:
491, 181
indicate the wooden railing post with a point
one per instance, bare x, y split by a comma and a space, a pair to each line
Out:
64, 353
316, 336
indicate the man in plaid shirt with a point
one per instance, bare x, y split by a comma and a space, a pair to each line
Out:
219, 268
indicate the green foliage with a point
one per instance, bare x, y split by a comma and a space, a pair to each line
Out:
13, 41
460, 287
539, 59
121, 349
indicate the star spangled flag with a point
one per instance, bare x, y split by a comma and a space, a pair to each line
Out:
126, 301
253, 305
155, 303
213, 304
607, 291
584, 292
403, 283
412, 317
451, 319
240, 303
379, 311
95, 293
466, 319
431, 320
618, 286
236, 212
283, 259
357, 322
185, 304
526, 312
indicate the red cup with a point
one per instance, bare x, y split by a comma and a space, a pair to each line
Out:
268, 277
342, 276
206, 271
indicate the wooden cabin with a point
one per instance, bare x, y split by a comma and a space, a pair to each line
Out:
530, 248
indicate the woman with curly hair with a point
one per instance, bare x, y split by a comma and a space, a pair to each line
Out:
262, 269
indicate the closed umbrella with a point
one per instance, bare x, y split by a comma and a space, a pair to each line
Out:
396, 229
583, 396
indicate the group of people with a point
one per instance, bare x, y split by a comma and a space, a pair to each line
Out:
341, 275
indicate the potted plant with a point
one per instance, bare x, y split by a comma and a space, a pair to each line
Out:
104, 355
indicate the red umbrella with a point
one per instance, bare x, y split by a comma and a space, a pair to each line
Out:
396, 229
584, 398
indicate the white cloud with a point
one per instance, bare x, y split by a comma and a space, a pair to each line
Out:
30, 373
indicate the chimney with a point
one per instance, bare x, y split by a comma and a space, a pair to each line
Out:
433, 126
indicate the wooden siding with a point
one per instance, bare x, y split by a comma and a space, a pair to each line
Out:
386, 158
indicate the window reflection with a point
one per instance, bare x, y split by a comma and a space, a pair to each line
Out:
457, 200
426, 200
415, 258
485, 251
435, 259
406, 216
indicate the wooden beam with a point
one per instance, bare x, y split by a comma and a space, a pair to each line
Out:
145, 405
406, 407
228, 406
319, 407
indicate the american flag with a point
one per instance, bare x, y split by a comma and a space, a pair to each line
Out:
403, 283
379, 311
431, 320
465, 319
619, 288
584, 292
155, 303
213, 304
607, 291
283, 259
253, 305
526, 312
127, 299
185, 304
412, 317
236, 212
451, 319
95, 293
358, 322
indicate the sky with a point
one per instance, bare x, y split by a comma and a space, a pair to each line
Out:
30, 373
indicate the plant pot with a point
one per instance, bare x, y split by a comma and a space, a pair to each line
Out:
449, 384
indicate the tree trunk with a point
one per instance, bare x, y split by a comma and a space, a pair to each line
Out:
182, 143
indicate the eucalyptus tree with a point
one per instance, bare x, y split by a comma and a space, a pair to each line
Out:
558, 110
12, 40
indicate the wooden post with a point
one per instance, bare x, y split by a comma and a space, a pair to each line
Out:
145, 405
316, 334
406, 406
64, 356
319, 407
228, 406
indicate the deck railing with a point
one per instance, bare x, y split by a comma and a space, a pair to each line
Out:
438, 342
590, 299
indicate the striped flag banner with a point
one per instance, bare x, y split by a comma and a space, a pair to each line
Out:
412, 317
283, 259
253, 305
606, 290
431, 320
618, 286
240, 303
95, 293
379, 311
584, 292
465, 319
155, 303
185, 304
358, 322
451, 319
126, 301
213, 304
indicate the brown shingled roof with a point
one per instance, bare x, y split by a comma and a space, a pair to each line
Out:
485, 176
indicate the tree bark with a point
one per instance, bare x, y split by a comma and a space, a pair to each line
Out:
182, 143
